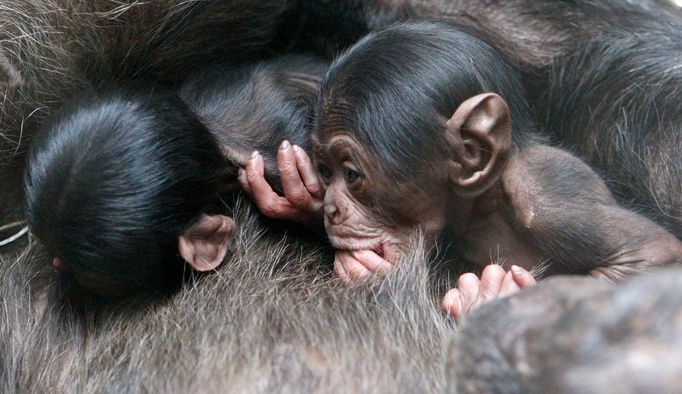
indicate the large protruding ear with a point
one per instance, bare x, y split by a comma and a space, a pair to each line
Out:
479, 134
204, 244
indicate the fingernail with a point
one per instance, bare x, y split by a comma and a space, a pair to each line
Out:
254, 154
240, 172
285, 145
517, 270
296, 148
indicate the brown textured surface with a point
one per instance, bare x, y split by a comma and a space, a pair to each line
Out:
575, 334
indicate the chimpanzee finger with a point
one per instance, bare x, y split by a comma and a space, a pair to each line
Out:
294, 189
255, 178
244, 181
468, 285
509, 287
340, 272
452, 303
269, 203
522, 277
355, 270
491, 282
372, 261
308, 174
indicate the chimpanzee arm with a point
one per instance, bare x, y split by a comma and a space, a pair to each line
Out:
569, 213
638, 243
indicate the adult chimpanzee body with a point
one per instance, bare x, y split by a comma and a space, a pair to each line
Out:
575, 334
123, 178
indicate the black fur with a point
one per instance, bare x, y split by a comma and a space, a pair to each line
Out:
112, 180
396, 89
257, 106
120, 172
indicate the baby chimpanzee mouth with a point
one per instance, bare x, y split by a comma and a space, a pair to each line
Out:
380, 247
379, 250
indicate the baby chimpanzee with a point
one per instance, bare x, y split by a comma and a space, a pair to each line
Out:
423, 127
122, 178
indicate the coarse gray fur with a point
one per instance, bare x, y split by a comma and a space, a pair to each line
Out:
270, 320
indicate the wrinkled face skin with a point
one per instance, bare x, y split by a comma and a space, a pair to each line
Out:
364, 209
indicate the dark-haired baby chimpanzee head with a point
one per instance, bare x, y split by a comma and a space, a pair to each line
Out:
412, 122
119, 181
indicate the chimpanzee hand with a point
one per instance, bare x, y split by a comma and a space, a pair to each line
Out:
354, 265
303, 194
471, 292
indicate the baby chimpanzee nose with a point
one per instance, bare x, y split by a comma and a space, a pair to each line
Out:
332, 213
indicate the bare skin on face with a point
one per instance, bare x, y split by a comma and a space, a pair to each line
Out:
366, 244
368, 222
351, 202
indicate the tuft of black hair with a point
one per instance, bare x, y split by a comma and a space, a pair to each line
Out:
113, 178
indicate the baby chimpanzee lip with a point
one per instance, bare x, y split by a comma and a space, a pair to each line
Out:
352, 244
379, 249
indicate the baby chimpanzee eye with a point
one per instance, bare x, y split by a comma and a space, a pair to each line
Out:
351, 175
325, 173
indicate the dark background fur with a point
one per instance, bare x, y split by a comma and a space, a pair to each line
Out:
601, 76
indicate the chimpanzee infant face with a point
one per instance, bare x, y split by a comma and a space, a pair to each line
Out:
377, 202
365, 208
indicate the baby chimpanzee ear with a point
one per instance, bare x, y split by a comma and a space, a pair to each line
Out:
479, 134
204, 244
